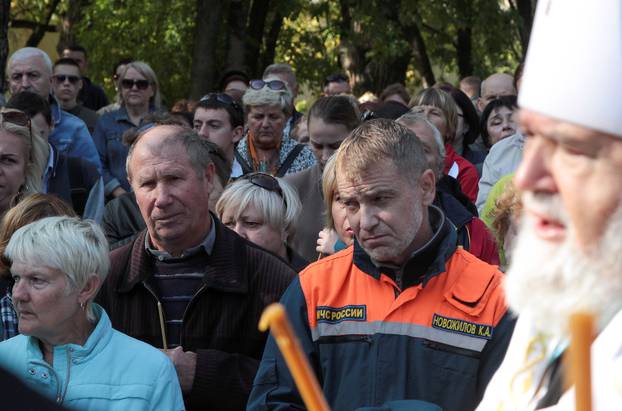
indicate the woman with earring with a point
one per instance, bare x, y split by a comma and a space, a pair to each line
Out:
67, 349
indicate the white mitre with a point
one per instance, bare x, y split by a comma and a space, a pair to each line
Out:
573, 69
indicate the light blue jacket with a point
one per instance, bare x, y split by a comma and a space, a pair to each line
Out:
112, 371
71, 137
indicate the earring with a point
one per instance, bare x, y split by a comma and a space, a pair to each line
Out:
82, 306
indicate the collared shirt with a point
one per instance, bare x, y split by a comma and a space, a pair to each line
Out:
8, 318
48, 169
206, 245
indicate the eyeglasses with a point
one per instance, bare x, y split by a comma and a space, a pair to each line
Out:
127, 83
221, 98
265, 181
258, 84
62, 77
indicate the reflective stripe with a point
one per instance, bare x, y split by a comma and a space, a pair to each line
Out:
390, 328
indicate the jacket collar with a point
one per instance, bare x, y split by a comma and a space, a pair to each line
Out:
425, 263
95, 343
224, 268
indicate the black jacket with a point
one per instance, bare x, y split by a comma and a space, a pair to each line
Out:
220, 323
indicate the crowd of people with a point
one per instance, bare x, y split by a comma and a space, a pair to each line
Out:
428, 247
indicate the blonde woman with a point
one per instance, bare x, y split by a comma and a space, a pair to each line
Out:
262, 209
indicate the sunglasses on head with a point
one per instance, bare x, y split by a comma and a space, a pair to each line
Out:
61, 78
221, 98
18, 118
129, 83
265, 181
272, 84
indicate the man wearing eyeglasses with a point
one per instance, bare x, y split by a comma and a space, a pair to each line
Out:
30, 69
66, 84
211, 283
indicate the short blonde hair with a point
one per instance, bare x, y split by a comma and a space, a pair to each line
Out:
76, 247
441, 99
329, 187
268, 97
278, 212
379, 139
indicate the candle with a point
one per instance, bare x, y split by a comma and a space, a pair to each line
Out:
580, 372
275, 318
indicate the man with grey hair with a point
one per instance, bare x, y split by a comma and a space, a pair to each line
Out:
403, 313
30, 69
187, 284
472, 232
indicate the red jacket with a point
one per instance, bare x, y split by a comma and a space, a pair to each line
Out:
462, 170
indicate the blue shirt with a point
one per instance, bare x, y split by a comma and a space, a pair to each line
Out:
108, 137
71, 137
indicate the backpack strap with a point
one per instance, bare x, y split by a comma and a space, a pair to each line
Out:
246, 168
289, 160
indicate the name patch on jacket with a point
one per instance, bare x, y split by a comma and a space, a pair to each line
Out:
334, 315
462, 327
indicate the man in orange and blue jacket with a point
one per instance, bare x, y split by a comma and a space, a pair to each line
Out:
403, 314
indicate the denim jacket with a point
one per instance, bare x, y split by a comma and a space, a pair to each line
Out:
112, 151
71, 137
111, 371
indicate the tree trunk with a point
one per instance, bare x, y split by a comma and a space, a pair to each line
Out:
352, 55
464, 52
68, 21
270, 40
206, 30
5, 11
422, 61
238, 10
525, 11
39, 30
254, 36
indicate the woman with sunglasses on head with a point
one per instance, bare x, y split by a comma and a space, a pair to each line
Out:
23, 157
266, 148
140, 96
262, 209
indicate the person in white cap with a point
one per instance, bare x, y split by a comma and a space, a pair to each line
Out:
569, 254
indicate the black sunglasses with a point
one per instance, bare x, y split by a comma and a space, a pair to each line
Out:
258, 84
62, 77
265, 181
221, 98
140, 84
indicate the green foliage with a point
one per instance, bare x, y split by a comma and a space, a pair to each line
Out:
313, 34
156, 31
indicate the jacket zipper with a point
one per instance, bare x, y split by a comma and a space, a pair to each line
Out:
183, 318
